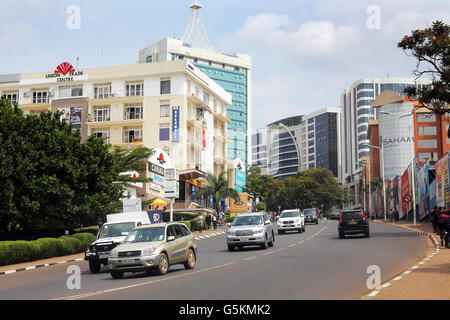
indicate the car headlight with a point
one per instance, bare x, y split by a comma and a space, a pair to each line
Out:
149, 251
113, 253
231, 233
256, 231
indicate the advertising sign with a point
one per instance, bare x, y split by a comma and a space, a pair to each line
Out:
156, 216
176, 124
171, 174
171, 189
442, 181
130, 205
422, 181
239, 206
240, 180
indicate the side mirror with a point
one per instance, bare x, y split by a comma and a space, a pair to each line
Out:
228, 224
267, 222
170, 238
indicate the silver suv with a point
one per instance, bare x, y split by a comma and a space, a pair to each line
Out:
250, 229
153, 247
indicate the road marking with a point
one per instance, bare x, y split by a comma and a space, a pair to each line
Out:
265, 254
386, 285
292, 245
373, 294
407, 272
10, 271
251, 258
397, 278
30, 268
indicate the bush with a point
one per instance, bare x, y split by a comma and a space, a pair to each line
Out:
70, 244
51, 247
14, 252
36, 248
92, 230
85, 238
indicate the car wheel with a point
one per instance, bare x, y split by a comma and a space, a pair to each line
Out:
317, 222
264, 245
304, 228
231, 248
163, 264
272, 240
94, 266
341, 235
367, 233
116, 274
190, 260
280, 231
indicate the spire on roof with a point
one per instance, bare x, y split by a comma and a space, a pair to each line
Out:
195, 33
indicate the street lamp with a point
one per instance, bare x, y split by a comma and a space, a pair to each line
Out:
382, 167
363, 164
278, 125
412, 157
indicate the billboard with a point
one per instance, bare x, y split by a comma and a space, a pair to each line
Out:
423, 191
176, 124
442, 192
404, 195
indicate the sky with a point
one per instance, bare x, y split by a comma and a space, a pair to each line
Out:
304, 53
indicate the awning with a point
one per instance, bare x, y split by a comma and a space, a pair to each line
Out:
190, 174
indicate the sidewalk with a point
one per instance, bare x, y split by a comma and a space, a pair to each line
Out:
430, 280
80, 256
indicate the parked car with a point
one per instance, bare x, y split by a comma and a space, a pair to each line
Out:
250, 229
335, 215
311, 215
291, 220
154, 247
353, 222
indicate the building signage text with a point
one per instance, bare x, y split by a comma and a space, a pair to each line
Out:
155, 169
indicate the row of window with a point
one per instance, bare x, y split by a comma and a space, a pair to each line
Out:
133, 134
131, 112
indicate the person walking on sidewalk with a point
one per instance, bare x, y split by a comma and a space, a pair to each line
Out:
214, 221
208, 221
444, 227
200, 222
434, 219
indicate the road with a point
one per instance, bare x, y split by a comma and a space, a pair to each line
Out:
314, 265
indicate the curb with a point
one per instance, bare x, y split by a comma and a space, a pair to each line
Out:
431, 237
38, 266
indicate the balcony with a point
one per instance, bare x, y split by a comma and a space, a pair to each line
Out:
114, 98
44, 106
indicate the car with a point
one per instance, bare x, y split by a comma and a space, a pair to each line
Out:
292, 219
335, 215
250, 229
311, 215
353, 222
154, 247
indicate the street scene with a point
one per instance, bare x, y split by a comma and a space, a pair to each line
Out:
223, 151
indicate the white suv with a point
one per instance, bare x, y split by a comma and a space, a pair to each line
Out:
292, 219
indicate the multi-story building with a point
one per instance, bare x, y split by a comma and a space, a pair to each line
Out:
232, 72
172, 106
356, 113
298, 143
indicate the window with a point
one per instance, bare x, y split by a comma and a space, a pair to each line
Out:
132, 135
432, 156
164, 132
101, 133
102, 91
134, 89
40, 96
426, 117
178, 232
70, 91
164, 109
205, 97
185, 230
12, 97
165, 86
426, 131
101, 114
149, 59
365, 94
133, 112
427, 144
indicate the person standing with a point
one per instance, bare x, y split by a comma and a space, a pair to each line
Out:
220, 217
200, 222
208, 221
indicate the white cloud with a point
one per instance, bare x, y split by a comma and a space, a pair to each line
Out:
311, 38
405, 21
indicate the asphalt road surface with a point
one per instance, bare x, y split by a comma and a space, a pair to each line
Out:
314, 265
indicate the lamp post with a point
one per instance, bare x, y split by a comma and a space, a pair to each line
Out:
293, 139
382, 169
412, 157
363, 164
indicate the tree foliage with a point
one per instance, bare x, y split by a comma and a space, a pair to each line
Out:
218, 187
431, 47
49, 179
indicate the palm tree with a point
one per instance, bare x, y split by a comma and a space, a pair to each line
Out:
218, 187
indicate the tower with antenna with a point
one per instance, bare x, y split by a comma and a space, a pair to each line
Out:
195, 34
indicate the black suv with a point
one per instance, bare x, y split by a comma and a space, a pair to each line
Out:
353, 222
311, 215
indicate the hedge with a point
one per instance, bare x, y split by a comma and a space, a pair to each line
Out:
92, 230
12, 252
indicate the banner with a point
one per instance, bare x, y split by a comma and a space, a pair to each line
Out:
442, 181
422, 182
176, 124
156, 216
404, 193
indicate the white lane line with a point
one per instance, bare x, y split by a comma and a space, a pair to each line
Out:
386, 285
407, 272
373, 294
280, 249
397, 278
10, 271
265, 254
30, 268
251, 258
90, 294
292, 245
415, 267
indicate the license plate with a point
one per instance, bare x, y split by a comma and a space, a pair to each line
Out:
352, 222
127, 260
103, 255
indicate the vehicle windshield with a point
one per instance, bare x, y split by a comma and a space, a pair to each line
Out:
145, 235
119, 229
289, 214
309, 211
247, 220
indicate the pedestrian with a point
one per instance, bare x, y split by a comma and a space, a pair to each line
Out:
220, 217
396, 214
434, 218
208, 221
214, 221
390, 213
200, 222
444, 221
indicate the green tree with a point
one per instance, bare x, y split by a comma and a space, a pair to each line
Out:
218, 187
49, 179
